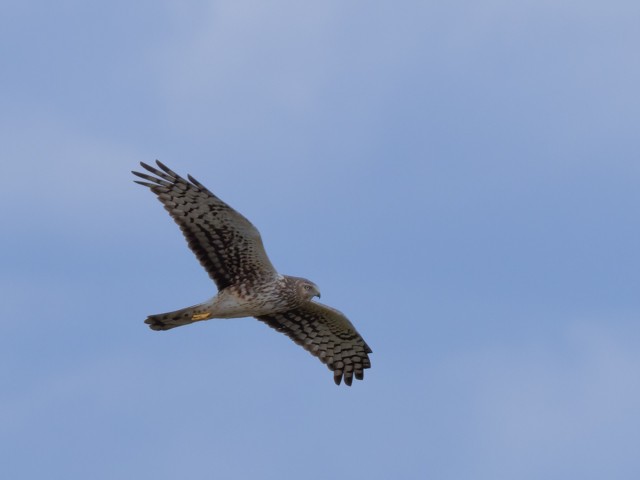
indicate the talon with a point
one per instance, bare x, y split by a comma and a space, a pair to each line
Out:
201, 316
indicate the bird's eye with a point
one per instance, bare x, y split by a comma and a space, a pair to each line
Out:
307, 287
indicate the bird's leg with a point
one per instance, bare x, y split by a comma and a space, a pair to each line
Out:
201, 316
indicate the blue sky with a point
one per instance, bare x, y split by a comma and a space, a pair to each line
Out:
460, 178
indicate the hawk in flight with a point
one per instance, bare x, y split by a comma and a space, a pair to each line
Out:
230, 249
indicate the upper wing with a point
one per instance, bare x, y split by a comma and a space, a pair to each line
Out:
327, 334
227, 245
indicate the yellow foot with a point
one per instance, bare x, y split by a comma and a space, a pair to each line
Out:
201, 316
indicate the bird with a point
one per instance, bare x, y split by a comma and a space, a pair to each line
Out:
229, 247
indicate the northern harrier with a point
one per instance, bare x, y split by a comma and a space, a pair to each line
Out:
230, 249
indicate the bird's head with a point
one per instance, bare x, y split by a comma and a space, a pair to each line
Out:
307, 289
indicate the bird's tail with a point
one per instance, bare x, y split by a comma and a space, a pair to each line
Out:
169, 320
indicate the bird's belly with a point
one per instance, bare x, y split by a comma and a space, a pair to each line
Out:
230, 305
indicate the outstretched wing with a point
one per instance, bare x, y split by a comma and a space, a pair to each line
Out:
327, 334
227, 245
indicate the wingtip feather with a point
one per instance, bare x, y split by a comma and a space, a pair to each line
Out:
145, 184
146, 166
167, 169
195, 182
